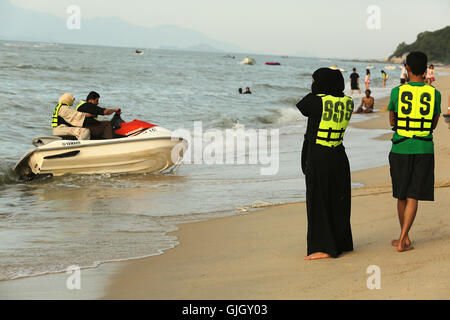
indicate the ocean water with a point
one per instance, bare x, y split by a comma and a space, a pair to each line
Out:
49, 224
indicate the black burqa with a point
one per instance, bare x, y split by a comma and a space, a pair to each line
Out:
327, 174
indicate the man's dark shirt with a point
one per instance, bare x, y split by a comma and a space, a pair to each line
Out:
92, 109
354, 78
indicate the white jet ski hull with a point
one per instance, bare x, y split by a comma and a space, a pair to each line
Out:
151, 151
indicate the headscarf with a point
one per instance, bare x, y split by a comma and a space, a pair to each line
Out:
328, 81
67, 98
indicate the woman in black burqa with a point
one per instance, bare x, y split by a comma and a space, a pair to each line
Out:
327, 175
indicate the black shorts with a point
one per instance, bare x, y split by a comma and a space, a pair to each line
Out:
412, 176
354, 86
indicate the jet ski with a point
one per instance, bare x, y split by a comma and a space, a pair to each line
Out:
138, 147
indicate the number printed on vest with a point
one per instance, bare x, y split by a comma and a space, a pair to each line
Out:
349, 109
328, 108
406, 99
337, 111
425, 101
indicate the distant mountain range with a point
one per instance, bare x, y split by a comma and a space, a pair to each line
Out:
435, 44
26, 25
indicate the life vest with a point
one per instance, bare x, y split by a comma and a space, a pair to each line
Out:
336, 114
56, 120
80, 104
415, 111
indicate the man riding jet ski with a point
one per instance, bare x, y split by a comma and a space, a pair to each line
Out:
99, 129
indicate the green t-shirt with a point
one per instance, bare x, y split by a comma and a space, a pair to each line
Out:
412, 146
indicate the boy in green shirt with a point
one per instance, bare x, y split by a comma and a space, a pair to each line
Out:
414, 110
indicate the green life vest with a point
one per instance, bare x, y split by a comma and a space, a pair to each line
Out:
55, 122
415, 111
336, 114
80, 104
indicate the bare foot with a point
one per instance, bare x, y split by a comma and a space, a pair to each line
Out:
316, 256
395, 242
402, 247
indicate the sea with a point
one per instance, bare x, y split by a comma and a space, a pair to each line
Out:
49, 224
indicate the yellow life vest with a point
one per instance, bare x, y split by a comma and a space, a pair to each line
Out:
415, 110
80, 104
336, 114
55, 115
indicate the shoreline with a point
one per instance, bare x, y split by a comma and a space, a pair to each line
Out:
115, 276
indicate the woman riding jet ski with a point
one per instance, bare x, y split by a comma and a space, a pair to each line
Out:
137, 146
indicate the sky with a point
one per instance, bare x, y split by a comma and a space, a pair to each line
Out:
323, 28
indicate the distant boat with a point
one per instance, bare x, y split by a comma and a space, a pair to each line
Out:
139, 52
273, 63
335, 67
369, 67
229, 56
248, 60
389, 67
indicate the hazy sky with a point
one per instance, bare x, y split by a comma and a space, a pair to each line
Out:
328, 28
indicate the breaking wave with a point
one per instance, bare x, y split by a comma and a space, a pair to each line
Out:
280, 116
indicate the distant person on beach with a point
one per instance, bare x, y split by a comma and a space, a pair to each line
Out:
367, 80
68, 122
99, 129
354, 81
430, 74
385, 76
367, 104
240, 90
403, 74
326, 167
247, 91
414, 110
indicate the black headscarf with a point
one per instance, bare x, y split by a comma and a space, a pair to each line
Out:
328, 81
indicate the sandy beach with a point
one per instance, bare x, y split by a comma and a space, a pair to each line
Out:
259, 255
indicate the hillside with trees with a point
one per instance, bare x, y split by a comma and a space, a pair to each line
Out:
435, 44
